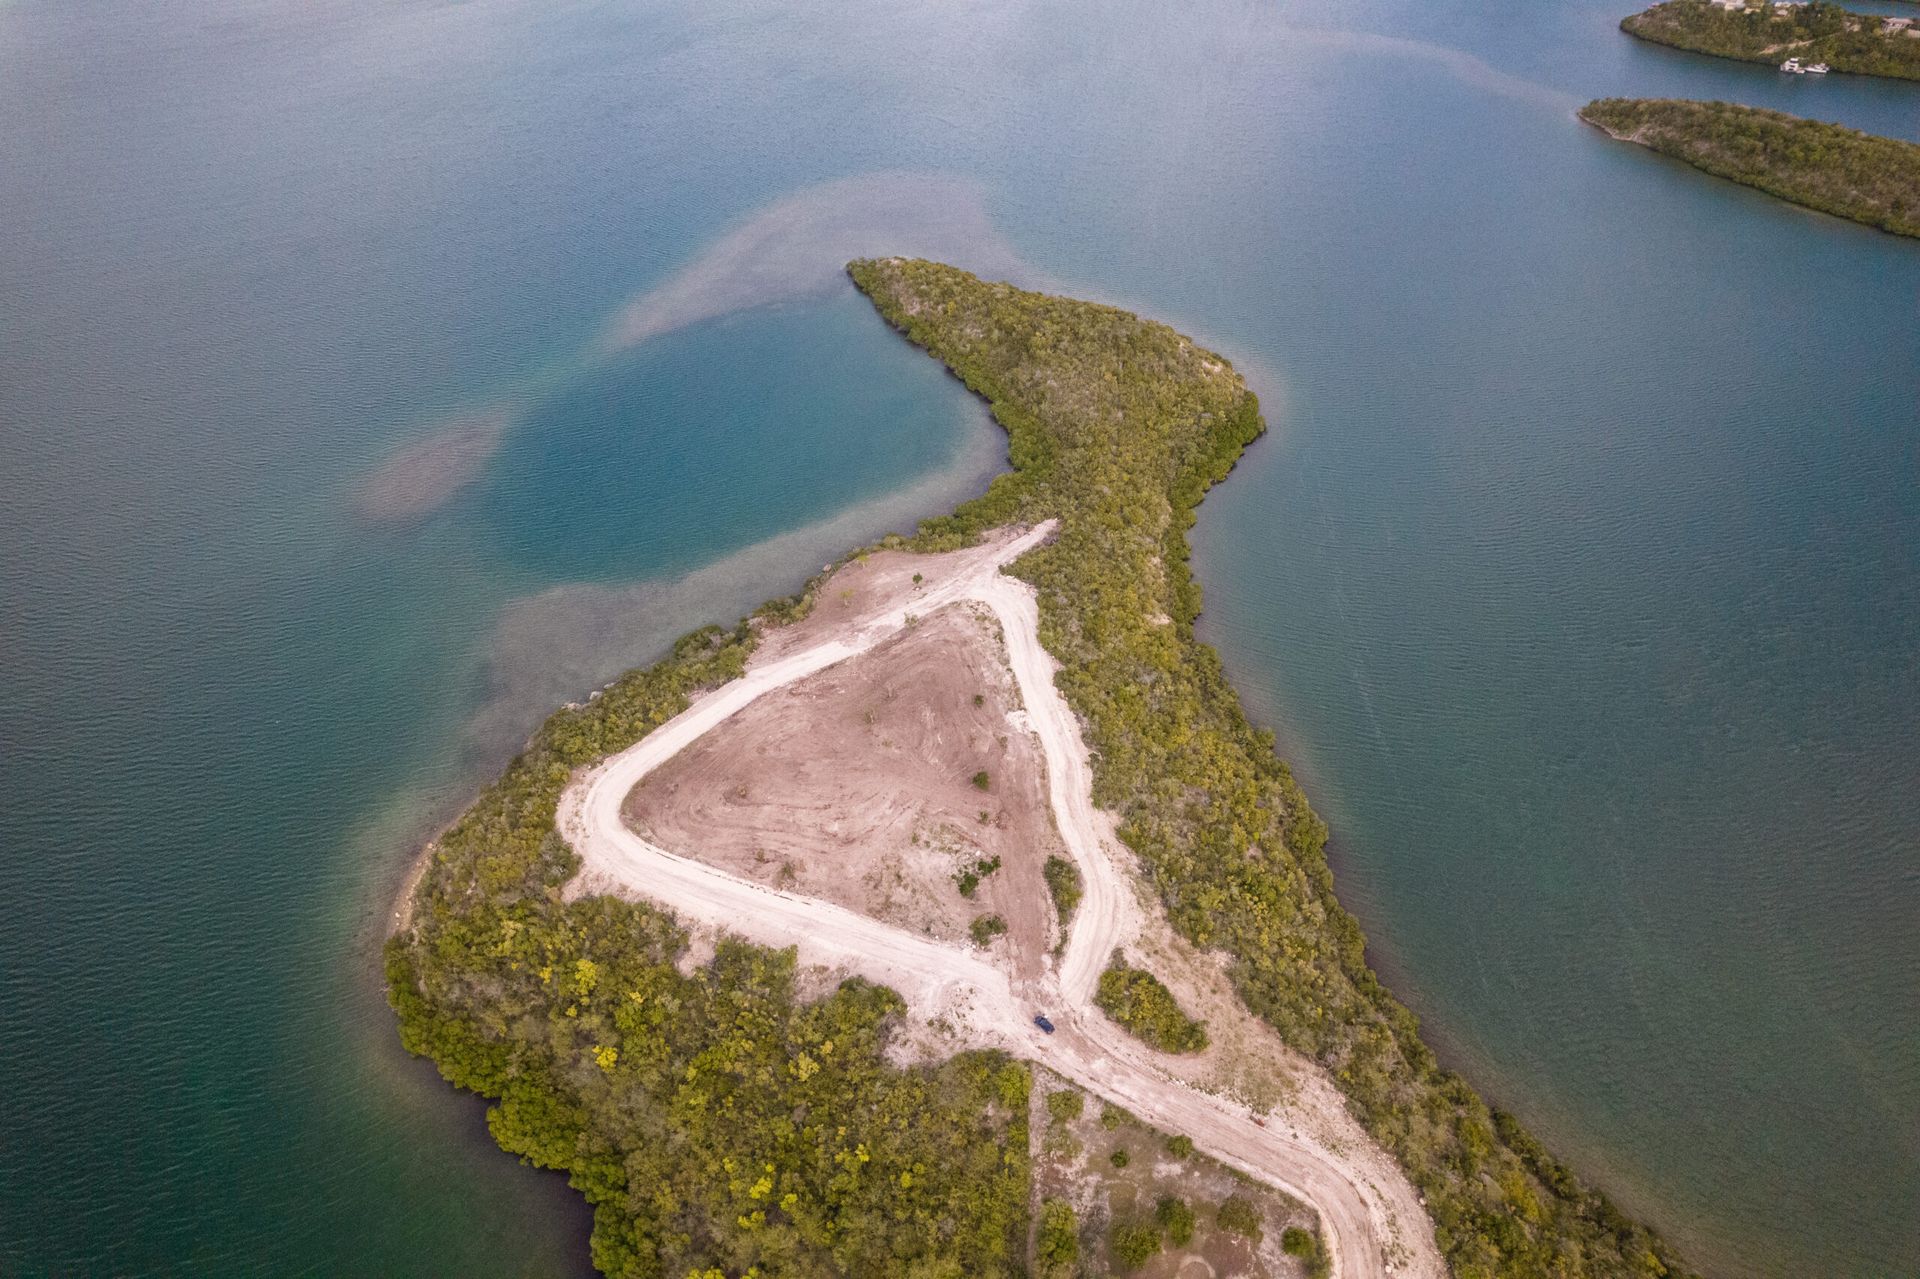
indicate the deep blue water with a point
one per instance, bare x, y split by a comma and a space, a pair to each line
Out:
1580, 574
729, 432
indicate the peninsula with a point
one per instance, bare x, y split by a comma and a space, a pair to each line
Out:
1829, 167
803, 950
1774, 31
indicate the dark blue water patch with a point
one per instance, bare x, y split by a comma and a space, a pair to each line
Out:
711, 438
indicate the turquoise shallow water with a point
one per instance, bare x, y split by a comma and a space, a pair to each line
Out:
1580, 572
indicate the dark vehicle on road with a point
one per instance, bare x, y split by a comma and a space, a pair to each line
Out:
1040, 1020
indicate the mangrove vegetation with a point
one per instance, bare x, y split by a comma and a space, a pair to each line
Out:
1859, 176
718, 1122
1770, 33
1117, 426
715, 1121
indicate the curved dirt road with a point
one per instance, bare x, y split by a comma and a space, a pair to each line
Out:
1358, 1215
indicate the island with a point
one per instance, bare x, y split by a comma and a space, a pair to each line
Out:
1797, 37
950, 917
1859, 176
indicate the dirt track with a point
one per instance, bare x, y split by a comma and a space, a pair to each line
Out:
1369, 1213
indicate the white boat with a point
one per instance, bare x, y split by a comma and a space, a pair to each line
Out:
1792, 67
1818, 68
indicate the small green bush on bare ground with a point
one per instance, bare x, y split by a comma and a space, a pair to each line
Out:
1237, 1215
1063, 882
1134, 1245
1174, 1216
968, 880
985, 928
1309, 1248
1137, 1000
1059, 1243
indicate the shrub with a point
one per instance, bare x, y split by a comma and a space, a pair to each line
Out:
1137, 1000
1059, 1245
1120, 1158
1309, 1248
969, 879
1180, 1146
1135, 1245
1066, 1105
981, 781
1176, 1218
1063, 881
1237, 1215
986, 927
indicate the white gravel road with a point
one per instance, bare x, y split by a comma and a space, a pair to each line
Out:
1369, 1213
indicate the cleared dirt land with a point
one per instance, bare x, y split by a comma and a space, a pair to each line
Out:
857, 785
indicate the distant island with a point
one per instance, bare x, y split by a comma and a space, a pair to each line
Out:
803, 950
1812, 34
1859, 176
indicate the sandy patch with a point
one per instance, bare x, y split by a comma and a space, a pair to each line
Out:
859, 592
424, 474
799, 247
855, 785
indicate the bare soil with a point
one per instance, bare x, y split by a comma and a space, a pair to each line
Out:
856, 784
871, 583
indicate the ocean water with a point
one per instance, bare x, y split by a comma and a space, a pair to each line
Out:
1580, 573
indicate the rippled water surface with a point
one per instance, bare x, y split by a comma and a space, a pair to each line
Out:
378, 375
